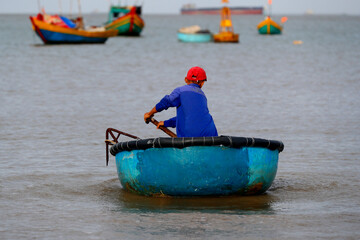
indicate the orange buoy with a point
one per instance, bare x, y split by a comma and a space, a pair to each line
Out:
226, 30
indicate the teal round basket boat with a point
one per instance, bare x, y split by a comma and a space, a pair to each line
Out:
201, 37
202, 166
194, 34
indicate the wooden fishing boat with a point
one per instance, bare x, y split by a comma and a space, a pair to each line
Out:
194, 34
269, 26
60, 32
226, 32
126, 20
202, 166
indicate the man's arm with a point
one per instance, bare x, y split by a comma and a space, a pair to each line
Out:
170, 123
171, 100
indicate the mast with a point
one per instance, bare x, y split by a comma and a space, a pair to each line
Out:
79, 4
71, 4
270, 3
60, 7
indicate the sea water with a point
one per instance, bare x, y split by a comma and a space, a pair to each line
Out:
56, 101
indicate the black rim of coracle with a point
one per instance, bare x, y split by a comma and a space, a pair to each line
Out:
227, 141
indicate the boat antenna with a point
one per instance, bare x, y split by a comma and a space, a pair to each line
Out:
270, 2
71, 4
60, 7
79, 4
38, 2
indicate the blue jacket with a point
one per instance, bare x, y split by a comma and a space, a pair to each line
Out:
192, 114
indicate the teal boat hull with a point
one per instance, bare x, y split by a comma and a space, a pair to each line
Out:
197, 170
269, 30
195, 37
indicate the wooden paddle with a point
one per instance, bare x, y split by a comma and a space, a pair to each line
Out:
115, 134
164, 129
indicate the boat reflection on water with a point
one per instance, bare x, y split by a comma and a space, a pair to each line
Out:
123, 200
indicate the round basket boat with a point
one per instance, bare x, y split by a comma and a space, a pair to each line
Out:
200, 166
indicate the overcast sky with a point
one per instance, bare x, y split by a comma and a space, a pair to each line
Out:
351, 7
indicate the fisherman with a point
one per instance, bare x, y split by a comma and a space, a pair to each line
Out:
79, 23
192, 114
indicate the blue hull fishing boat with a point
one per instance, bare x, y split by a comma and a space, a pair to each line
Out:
60, 33
204, 166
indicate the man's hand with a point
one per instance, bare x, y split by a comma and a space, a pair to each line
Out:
149, 115
160, 124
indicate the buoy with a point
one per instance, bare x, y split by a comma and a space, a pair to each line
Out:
226, 31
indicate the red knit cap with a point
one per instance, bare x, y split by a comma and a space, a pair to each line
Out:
196, 74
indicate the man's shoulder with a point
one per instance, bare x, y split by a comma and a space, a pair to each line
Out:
188, 88
180, 89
